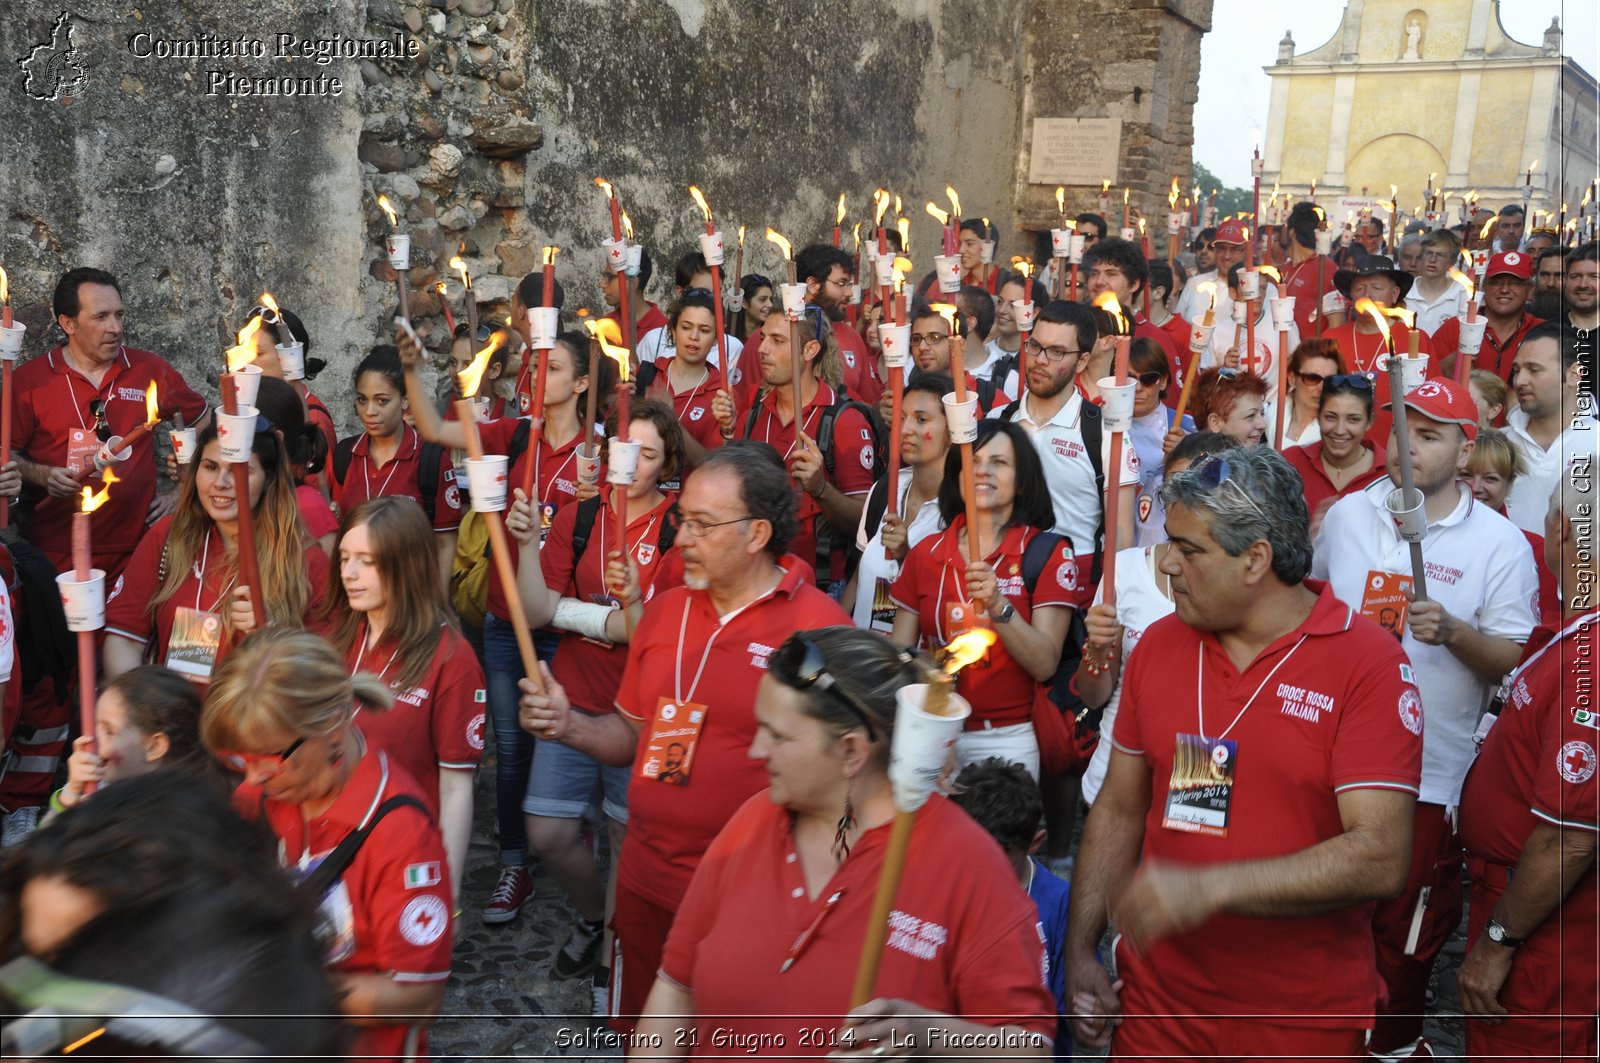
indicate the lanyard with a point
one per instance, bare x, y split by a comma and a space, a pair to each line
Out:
683, 629
1200, 686
394, 466
628, 550
705, 378
72, 389
365, 634
200, 579
800, 422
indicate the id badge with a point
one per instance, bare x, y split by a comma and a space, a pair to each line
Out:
1200, 792
1384, 600
674, 734
196, 637
547, 517
883, 607
82, 446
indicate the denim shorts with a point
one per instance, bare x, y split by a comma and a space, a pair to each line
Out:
564, 782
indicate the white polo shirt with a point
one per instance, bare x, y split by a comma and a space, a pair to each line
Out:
1479, 566
657, 344
1070, 473
1431, 313
1529, 500
875, 564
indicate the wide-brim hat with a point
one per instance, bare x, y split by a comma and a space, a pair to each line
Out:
1372, 266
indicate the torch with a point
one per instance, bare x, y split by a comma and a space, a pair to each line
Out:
794, 304
619, 258
1060, 244
83, 598
1282, 320
946, 266
236, 433
961, 416
487, 479
1144, 248
928, 720
711, 246
444, 307
1406, 504
291, 352
470, 301
1117, 394
1527, 192
623, 454
10, 348
1023, 308
544, 321
1199, 340
398, 246
602, 331
1174, 224
855, 277
1250, 290
1257, 166
120, 449
1105, 198
1471, 329
838, 219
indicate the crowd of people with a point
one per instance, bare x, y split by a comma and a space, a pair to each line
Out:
1403, 594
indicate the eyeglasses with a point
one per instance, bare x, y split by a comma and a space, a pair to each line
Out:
243, 762
812, 671
928, 339
1312, 380
97, 410
1348, 382
1151, 379
1213, 472
697, 529
1051, 354
701, 293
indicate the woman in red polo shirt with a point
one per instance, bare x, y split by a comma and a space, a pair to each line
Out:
387, 615
282, 712
179, 602
940, 594
687, 380
387, 457
759, 955
1343, 460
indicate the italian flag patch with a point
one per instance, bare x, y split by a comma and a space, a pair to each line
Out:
421, 875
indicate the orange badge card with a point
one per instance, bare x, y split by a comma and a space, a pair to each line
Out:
1384, 600
674, 734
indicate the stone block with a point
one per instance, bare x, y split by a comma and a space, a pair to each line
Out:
506, 137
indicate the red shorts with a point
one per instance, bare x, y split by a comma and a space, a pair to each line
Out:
1156, 1025
640, 928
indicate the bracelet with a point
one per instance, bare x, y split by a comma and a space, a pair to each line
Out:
55, 802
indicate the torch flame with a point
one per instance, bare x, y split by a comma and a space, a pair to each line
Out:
903, 227
440, 288
948, 312
152, 406
1107, 301
610, 336
700, 201
93, 500
1210, 289
550, 254
627, 225
741, 237
1488, 225
967, 648
605, 186
270, 303
5, 286
1270, 271
1588, 194
383, 201
1534, 165
784, 245
1141, 225
245, 351
898, 209
1061, 199
1125, 192
1394, 190
460, 266
1464, 280
1381, 314
1322, 216
856, 232
471, 377
880, 203
933, 209
1105, 186
1172, 196
838, 217
955, 202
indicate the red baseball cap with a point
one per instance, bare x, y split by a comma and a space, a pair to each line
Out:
1517, 263
1443, 400
1230, 232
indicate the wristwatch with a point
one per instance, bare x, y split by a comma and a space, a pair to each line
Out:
1005, 614
1497, 934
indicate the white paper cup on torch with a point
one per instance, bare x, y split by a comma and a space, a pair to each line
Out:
487, 482
883, 268
1324, 241
735, 299
986, 251
1249, 284
544, 323
292, 358
794, 301
1283, 313
1472, 334
1237, 310
1410, 521
1060, 243
624, 463
11, 342
635, 259
105, 457
1129, 233
1026, 314
896, 345
1117, 404
589, 464
1200, 337
855, 294
921, 745
236, 433
616, 254
962, 417
711, 247
183, 444
1413, 371
948, 269
85, 602
399, 248
1174, 224
1075, 248
247, 384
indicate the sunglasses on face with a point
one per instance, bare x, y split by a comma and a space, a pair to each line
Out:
1151, 379
1312, 380
812, 671
243, 762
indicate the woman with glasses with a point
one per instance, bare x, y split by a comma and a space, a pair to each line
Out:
684, 377
582, 583
1233, 402
145, 719
1343, 459
388, 616
940, 593
1311, 364
1154, 426
283, 712
179, 602
762, 946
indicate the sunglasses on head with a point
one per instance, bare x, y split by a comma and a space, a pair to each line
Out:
1348, 381
812, 671
1214, 472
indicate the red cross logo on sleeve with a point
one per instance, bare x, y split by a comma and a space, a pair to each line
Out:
1576, 762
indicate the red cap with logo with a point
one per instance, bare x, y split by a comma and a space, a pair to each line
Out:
1517, 263
1230, 232
1443, 400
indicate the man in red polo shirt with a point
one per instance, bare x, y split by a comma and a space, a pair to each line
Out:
1530, 813
1255, 810
693, 667
82, 394
1308, 276
1507, 284
825, 271
1359, 339
974, 232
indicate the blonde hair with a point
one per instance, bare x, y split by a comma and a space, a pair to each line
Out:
1490, 386
282, 681
1494, 452
829, 361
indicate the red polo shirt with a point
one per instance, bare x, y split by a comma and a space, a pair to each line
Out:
1320, 492
591, 670
860, 365
852, 455
1325, 709
398, 477
1363, 352
436, 724
933, 581
317, 413
683, 650
1308, 282
50, 417
964, 937
1495, 355
130, 613
1178, 330
390, 910
693, 406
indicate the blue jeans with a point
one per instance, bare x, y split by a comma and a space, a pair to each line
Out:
513, 746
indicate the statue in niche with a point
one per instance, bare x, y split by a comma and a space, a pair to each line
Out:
1413, 39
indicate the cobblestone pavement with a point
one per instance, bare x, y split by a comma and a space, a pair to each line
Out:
502, 1002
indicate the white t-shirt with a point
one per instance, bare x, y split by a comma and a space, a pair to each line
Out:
657, 343
1140, 603
1265, 364
1069, 472
1431, 313
875, 564
1193, 302
1529, 500
1478, 566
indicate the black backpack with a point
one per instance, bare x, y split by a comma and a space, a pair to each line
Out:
1091, 426
824, 437
1062, 687
589, 512
430, 458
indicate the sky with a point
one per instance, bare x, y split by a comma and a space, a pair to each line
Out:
1234, 91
